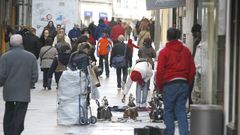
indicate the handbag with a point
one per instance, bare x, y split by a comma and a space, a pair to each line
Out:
120, 61
140, 38
93, 76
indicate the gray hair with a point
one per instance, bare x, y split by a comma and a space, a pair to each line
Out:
16, 40
121, 38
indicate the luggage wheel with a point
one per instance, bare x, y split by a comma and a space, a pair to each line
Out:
92, 119
83, 121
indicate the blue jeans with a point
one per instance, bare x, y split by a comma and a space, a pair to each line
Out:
141, 93
174, 98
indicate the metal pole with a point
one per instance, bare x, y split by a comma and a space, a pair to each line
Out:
227, 68
29, 12
157, 30
2, 15
23, 2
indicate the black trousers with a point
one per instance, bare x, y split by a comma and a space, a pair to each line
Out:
57, 76
190, 94
13, 121
105, 58
119, 73
45, 77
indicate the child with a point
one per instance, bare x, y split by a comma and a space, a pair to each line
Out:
104, 46
131, 45
141, 73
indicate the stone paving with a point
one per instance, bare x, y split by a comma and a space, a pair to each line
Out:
41, 115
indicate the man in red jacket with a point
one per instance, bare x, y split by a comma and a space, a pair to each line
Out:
175, 73
116, 31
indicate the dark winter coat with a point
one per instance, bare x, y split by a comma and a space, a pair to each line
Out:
79, 60
99, 30
147, 52
31, 43
18, 73
74, 33
118, 49
92, 28
63, 58
52, 31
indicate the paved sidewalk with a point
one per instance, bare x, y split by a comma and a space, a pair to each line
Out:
41, 115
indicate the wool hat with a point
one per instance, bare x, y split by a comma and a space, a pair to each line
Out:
136, 77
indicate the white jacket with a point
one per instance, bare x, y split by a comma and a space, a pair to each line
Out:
145, 69
201, 58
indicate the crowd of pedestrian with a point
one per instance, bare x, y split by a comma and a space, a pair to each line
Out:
111, 42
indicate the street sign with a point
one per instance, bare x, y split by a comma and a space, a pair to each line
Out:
161, 4
103, 15
88, 13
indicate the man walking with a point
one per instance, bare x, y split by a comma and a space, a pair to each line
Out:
175, 73
116, 31
74, 34
18, 72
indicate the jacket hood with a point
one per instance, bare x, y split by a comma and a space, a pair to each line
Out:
175, 45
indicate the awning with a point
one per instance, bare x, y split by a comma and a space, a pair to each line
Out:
88, 13
161, 4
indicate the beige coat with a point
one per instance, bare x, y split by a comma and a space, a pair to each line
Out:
47, 58
143, 35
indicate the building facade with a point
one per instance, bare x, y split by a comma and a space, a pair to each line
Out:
13, 13
93, 10
130, 9
220, 21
